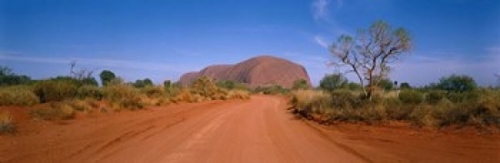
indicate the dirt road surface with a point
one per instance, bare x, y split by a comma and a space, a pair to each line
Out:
257, 130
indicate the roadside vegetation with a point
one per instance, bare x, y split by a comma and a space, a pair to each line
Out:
64, 97
455, 100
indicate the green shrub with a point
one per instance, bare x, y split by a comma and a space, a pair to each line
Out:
89, 91
18, 96
122, 96
307, 102
271, 90
153, 91
474, 108
460, 97
6, 123
345, 99
56, 90
300, 84
56, 111
434, 96
409, 96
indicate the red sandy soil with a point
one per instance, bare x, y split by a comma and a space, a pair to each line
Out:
256, 130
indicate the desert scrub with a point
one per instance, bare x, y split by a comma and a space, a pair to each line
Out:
435, 96
122, 96
54, 90
409, 96
238, 94
56, 111
18, 96
271, 90
86, 105
6, 123
89, 91
206, 88
307, 102
153, 91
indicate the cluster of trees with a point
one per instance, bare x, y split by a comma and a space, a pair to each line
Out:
452, 83
7, 77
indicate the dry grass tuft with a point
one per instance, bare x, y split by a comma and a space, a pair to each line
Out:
6, 123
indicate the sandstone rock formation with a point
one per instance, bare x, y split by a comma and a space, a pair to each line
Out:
257, 71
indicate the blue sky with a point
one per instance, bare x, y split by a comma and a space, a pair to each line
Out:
164, 39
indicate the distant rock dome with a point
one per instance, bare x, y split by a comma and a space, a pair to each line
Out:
258, 71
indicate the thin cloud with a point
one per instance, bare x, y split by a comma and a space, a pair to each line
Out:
320, 41
99, 62
320, 9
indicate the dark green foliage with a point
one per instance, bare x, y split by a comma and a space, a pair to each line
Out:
231, 85
89, 81
435, 96
271, 90
409, 96
405, 85
353, 86
457, 83
300, 84
227, 84
90, 91
457, 97
153, 91
333, 82
143, 83
7, 78
345, 99
106, 77
57, 89
386, 84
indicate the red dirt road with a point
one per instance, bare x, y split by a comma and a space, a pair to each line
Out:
256, 130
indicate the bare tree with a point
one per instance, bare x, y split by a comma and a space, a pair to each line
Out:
79, 74
370, 53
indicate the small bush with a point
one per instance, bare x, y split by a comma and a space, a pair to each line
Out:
122, 96
411, 96
89, 91
460, 97
18, 96
6, 123
56, 90
345, 99
434, 96
271, 90
306, 102
206, 88
56, 111
238, 94
153, 91
81, 105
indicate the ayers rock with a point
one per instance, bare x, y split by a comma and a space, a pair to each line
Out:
257, 71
